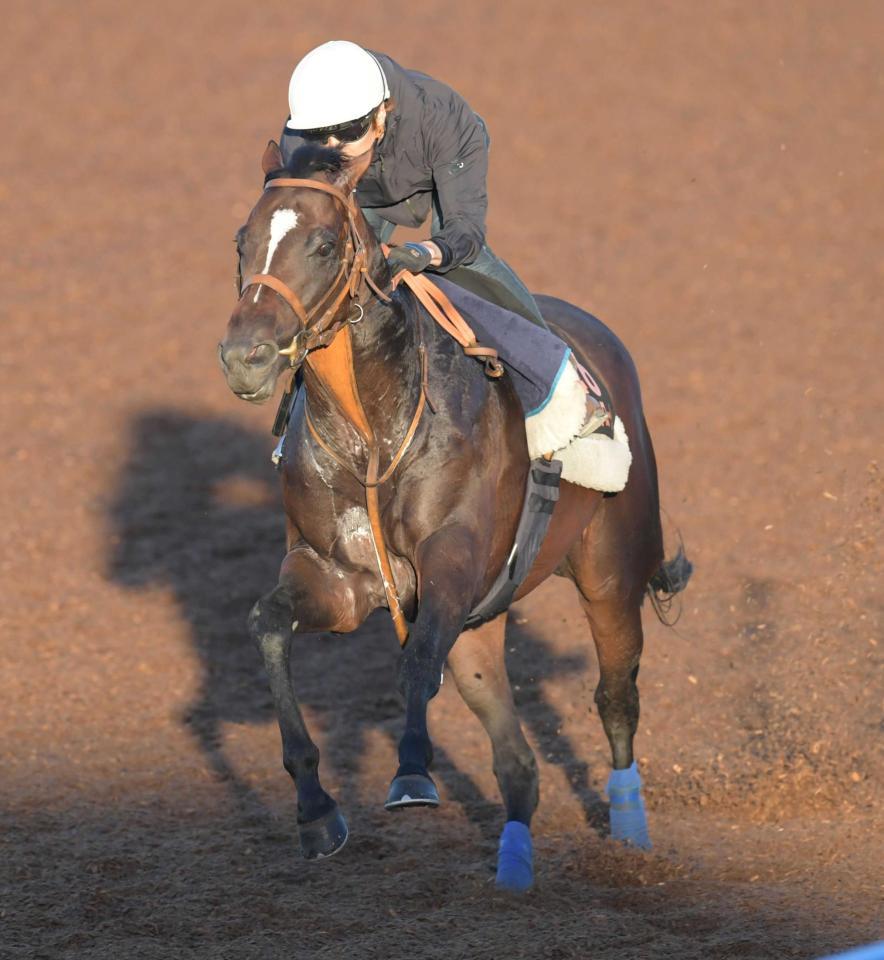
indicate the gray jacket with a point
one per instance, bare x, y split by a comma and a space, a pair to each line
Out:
434, 147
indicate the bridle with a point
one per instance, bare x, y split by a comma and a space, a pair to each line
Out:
320, 332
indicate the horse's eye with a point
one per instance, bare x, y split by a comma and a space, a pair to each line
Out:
325, 249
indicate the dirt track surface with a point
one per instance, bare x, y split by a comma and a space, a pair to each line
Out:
707, 179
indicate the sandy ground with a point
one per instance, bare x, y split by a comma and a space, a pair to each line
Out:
707, 179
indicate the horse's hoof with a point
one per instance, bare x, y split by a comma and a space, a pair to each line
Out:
412, 790
323, 837
515, 870
629, 824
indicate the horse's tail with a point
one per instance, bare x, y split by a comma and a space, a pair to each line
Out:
670, 579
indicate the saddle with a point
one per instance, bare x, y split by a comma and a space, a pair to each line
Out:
483, 295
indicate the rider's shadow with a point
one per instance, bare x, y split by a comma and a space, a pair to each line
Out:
198, 511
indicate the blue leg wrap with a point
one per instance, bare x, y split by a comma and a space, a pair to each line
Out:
514, 858
874, 951
628, 822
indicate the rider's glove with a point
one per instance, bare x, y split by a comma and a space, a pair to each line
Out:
413, 257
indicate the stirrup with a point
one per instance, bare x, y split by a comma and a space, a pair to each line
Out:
597, 416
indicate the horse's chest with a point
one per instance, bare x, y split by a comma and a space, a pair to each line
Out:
353, 543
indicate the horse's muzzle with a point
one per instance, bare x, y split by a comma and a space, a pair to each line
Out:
250, 369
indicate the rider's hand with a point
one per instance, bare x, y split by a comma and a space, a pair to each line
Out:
414, 257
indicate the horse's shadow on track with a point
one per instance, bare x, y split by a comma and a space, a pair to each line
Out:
197, 511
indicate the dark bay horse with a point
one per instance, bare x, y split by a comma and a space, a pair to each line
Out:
448, 512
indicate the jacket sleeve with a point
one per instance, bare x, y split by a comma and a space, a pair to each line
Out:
459, 163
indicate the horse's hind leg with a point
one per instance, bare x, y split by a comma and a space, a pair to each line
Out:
617, 632
477, 663
611, 565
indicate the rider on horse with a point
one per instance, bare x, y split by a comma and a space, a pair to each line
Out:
406, 483
429, 155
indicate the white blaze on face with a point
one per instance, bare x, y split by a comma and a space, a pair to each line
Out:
280, 223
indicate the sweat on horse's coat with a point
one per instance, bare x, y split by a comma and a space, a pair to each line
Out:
549, 388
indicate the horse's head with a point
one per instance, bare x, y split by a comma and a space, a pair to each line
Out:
301, 254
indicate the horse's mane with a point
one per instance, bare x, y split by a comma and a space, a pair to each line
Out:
309, 159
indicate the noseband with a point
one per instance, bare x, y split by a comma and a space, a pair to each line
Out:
320, 333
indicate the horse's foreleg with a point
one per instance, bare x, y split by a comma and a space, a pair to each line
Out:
308, 600
445, 565
478, 664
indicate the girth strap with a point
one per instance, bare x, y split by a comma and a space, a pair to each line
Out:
541, 496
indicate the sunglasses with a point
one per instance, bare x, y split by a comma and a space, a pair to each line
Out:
348, 132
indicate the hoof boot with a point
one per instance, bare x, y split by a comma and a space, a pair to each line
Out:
629, 824
515, 870
323, 837
412, 790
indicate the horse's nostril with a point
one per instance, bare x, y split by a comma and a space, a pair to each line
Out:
262, 354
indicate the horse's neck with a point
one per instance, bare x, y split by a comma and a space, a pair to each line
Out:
366, 382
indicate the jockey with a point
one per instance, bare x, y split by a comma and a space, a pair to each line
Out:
430, 157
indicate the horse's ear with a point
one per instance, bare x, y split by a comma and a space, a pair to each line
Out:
272, 159
353, 171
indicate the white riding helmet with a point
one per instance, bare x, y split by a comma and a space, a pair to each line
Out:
335, 83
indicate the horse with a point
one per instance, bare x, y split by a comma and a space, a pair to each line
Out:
439, 449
